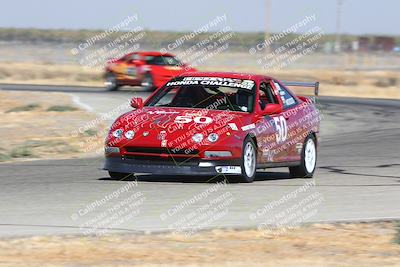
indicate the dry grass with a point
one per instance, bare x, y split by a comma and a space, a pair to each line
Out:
33, 127
371, 84
318, 245
41, 73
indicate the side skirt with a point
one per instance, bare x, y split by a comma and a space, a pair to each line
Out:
278, 164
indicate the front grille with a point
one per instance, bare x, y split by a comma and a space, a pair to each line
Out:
157, 160
161, 150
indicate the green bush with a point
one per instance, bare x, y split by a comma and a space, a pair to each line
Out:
21, 152
4, 157
62, 108
397, 236
90, 132
24, 108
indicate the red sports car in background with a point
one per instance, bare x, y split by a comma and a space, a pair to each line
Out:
147, 69
216, 124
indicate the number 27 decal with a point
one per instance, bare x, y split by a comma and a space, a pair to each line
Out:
281, 127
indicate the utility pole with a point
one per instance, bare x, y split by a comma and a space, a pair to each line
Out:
267, 25
338, 42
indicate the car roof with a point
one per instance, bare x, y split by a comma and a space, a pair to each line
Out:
154, 53
233, 75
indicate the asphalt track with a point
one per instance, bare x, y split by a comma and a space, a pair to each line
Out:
357, 179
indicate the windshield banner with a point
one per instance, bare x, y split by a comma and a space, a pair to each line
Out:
214, 81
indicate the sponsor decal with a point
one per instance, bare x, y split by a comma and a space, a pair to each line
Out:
268, 155
194, 113
289, 101
164, 143
248, 127
229, 169
162, 135
158, 112
173, 68
281, 128
226, 82
131, 71
233, 126
187, 119
299, 147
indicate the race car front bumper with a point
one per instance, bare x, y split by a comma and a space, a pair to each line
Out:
192, 167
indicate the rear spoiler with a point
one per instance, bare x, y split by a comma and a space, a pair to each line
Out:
304, 84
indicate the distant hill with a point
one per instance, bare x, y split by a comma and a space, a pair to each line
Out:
239, 40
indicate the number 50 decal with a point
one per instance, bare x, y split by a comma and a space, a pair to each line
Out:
187, 119
281, 127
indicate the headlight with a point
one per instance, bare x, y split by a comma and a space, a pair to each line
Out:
213, 137
129, 134
197, 138
117, 133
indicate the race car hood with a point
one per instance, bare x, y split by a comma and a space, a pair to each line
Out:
151, 124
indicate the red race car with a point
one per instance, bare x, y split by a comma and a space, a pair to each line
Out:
147, 69
208, 123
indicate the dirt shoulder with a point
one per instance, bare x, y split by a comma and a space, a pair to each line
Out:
356, 244
45, 125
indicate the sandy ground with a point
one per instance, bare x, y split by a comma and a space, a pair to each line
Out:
362, 244
40, 133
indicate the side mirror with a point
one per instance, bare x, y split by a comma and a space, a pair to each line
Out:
272, 109
136, 102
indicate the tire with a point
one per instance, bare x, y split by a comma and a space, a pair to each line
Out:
120, 176
148, 82
308, 159
111, 82
249, 161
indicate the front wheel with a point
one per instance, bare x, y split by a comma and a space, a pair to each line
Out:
249, 161
111, 82
308, 160
148, 82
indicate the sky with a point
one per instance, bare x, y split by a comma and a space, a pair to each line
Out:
358, 16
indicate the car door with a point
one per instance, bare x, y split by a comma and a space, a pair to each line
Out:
131, 68
287, 124
270, 129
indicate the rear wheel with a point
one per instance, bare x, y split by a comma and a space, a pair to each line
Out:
120, 176
111, 82
148, 82
308, 160
249, 161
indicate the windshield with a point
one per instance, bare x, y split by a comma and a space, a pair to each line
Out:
207, 93
162, 61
